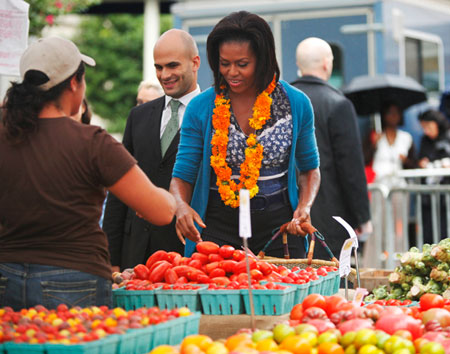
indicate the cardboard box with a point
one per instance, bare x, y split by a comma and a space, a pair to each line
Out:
372, 278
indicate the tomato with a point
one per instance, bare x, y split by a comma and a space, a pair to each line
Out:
207, 247
428, 301
440, 315
312, 313
220, 280
241, 266
217, 272
158, 273
183, 270
203, 279
195, 263
194, 273
256, 274
173, 257
238, 255
329, 348
171, 276
226, 251
332, 303
211, 266
314, 300
264, 267
160, 255
202, 258
141, 271
355, 325
390, 323
296, 312
215, 257
228, 265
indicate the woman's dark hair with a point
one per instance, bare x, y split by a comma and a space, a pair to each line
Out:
385, 106
243, 26
24, 101
87, 114
433, 115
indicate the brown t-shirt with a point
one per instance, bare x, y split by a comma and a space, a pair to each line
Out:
52, 188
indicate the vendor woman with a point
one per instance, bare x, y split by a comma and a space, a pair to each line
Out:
53, 174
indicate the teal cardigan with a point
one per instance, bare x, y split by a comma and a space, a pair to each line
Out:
193, 158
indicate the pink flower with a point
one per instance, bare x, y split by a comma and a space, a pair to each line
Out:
58, 4
49, 19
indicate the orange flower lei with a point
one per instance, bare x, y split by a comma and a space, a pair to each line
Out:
228, 189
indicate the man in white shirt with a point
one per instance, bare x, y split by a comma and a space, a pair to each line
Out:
152, 137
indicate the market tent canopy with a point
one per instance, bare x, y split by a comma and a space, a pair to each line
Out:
368, 93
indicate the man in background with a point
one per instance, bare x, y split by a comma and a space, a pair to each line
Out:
152, 136
343, 190
148, 91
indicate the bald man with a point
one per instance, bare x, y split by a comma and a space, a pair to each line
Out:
152, 136
343, 190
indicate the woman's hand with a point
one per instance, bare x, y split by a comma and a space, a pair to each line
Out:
185, 226
186, 216
301, 215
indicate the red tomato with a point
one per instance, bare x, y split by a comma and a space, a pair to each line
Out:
211, 266
218, 272
215, 258
313, 313
195, 263
314, 300
207, 247
173, 257
158, 272
220, 280
428, 301
170, 277
160, 255
238, 255
264, 267
203, 279
256, 274
203, 258
141, 271
391, 323
332, 303
296, 312
228, 265
226, 251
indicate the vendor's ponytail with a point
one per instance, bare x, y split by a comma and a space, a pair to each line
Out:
24, 101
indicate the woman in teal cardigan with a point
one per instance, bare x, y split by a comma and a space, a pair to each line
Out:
248, 131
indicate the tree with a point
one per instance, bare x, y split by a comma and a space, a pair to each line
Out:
116, 43
45, 12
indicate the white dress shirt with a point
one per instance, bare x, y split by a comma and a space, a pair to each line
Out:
167, 111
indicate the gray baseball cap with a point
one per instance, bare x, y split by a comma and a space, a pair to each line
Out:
56, 57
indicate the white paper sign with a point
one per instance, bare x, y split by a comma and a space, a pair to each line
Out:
345, 258
359, 295
346, 251
245, 226
349, 229
14, 25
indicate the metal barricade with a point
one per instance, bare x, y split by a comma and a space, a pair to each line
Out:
394, 209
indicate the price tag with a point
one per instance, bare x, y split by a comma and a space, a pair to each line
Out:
245, 227
359, 295
345, 258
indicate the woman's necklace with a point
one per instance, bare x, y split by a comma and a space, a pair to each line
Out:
228, 189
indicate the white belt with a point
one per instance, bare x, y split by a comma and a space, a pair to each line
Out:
264, 178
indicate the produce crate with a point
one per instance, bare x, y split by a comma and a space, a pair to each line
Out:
330, 283
191, 324
144, 339
270, 302
127, 342
371, 278
23, 348
315, 286
170, 298
105, 345
133, 299
221, 302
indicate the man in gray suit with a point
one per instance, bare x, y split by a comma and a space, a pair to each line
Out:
343, 190
152, 136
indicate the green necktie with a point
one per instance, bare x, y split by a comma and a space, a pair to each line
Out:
171, 128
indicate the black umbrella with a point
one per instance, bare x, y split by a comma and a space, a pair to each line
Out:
369, 92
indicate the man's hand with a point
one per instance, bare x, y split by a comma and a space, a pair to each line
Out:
185, 227
300, 216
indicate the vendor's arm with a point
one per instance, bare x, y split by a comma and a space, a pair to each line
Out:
154, 204
186, 216
309, 183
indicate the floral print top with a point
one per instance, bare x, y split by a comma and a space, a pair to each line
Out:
275, 137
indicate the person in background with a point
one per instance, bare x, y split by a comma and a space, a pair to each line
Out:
434, 152
343, 191
151, 136
248, 131
53, 173
148, 91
